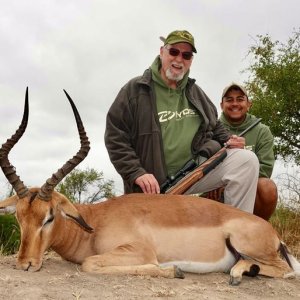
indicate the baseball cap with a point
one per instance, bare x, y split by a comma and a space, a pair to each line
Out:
234, 85
179, 36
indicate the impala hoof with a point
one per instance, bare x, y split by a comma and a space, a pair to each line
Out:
235, 280
178, 273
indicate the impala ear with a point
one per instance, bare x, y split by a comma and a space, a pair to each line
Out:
9, 202
70, 211
9, 205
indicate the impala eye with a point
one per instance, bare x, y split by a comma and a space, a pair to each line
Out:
49, 218
49, 221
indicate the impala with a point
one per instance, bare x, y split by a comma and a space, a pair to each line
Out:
156, 235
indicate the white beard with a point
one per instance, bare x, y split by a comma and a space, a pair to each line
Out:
174, 77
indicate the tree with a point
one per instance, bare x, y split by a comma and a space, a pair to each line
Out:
86, 186
288, 186
274, 87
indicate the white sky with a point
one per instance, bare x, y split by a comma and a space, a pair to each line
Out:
92, 48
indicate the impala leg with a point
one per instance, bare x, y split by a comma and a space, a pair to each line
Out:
243, 267
273, 268
130, 259
147, 269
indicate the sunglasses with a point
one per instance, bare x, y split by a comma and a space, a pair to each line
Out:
175, 52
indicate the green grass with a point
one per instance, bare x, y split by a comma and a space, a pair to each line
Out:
9, 235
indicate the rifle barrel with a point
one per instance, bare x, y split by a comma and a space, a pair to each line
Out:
250, 127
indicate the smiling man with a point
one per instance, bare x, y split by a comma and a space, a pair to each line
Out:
235, 106
163, 119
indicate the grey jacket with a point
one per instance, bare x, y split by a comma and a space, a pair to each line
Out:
133, 137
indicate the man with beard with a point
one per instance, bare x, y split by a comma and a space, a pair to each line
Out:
162, 119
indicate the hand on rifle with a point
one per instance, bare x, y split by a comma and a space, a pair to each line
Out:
235, 142
148, 184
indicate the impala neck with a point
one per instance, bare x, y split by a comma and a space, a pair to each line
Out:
71, 241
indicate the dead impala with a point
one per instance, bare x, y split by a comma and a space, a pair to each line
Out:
156, 235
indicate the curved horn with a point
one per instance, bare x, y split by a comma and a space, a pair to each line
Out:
8, 169
48, 187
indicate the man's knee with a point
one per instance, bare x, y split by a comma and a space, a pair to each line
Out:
245, 158
267, 189
266, 198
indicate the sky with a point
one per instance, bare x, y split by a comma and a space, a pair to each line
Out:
92, 48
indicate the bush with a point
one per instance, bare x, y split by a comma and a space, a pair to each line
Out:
9, 234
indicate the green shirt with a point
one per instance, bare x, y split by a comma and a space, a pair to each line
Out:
179, 121
259, 140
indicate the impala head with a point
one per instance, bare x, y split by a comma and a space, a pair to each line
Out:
37, 208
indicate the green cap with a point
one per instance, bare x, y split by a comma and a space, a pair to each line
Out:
179, 36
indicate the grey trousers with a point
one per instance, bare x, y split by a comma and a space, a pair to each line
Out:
238, 173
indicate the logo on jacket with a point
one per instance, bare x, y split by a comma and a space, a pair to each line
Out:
165, 116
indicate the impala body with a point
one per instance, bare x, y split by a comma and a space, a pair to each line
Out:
157, 235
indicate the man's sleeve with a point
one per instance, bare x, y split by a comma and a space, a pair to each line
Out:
265, 153
118, 139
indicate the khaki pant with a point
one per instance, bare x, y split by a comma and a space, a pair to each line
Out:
238, 173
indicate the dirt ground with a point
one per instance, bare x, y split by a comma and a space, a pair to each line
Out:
59, 279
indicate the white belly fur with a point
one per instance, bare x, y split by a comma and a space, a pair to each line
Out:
222, 265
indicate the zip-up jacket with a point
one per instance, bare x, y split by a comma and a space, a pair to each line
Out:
133, 137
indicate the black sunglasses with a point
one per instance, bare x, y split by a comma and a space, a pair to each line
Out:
175, 52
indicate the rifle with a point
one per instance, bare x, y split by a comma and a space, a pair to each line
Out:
188, 167
190, 173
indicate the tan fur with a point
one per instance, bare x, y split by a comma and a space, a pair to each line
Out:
144, 231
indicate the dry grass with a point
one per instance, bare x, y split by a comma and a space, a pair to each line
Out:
287, 223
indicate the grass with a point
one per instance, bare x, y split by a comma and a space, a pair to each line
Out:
9, 235
287, 222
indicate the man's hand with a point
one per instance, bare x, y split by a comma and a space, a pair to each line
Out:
235, 142
148, 184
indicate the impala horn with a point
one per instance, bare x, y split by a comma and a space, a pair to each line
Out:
7, 168
47, 189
